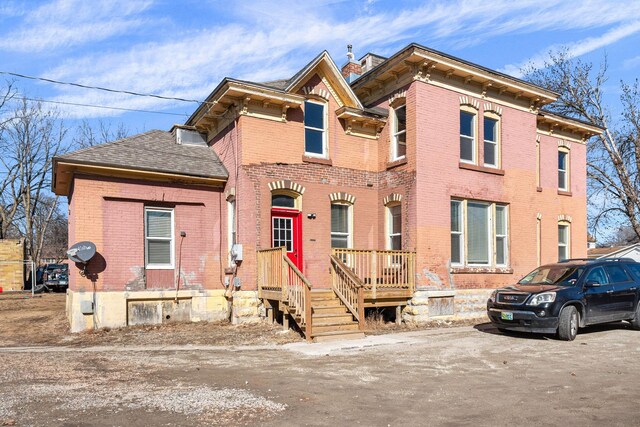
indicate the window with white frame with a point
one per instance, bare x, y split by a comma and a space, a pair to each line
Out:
158, 238
315, 126
479, 234
394, 227
341, 225
491, 142
457, 233
563, 170
563, 241
467, 137
399, 137
231, 227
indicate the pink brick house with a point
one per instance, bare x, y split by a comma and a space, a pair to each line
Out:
418, 181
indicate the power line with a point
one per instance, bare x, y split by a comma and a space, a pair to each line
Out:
105, 107
23, 76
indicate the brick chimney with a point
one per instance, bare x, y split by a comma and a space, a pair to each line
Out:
352, 69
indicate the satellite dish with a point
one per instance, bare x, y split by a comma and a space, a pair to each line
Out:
81, 252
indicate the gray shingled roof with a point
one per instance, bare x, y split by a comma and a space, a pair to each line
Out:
277, 84
154, 150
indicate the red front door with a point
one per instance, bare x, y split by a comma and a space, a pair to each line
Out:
286, 230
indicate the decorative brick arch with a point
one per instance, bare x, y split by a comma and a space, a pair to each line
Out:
342, 197
286, 185
564, 218
564, 144
314, 90
470, 102
392, 198
397, 97
496, 109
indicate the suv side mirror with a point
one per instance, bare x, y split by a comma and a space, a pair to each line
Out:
592, 284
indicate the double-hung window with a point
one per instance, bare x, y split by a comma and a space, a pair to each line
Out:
315, 127
467, 137
491, 146
479, 234
399, 144
158, 238
563, 242
340, 225
563, 170
394, 227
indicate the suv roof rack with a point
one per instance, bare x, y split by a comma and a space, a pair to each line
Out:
598, 259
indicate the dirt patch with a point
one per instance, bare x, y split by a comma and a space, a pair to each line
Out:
41, 320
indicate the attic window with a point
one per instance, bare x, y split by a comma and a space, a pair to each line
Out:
315, 125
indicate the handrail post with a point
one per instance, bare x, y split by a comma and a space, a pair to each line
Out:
284, 280
307, 312
361, 308
374, 272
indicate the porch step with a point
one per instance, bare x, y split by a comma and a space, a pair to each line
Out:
337, 335
323, 319
332, 327
328, 309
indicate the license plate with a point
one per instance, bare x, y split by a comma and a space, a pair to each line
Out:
505, 315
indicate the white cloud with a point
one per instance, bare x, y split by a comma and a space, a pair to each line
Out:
267, 39
65, 23
575, 49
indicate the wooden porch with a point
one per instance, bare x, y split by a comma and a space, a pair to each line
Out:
359, 279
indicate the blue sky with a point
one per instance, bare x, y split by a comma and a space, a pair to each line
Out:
184, 48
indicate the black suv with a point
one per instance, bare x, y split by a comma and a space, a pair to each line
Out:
562, 297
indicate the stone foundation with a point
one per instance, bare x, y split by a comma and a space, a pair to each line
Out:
429, 305
246, 307
119, 309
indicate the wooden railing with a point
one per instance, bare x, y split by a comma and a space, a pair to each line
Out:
276, 272
270, 264
380, 269
349, 288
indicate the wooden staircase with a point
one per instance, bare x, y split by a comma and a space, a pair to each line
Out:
330, 318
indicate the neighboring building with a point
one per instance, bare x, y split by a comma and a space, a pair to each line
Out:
452, 164
12, 265
629, 251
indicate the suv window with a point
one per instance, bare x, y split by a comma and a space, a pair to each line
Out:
597, 275
617, 274
635, 268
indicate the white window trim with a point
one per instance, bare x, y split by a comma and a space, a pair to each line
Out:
566, 244
349, 232
474, 143
504, 236
491, 233
496, 143
460, 233
395, 133
389, 225
171, 239
231, 225
567, 182
325, 131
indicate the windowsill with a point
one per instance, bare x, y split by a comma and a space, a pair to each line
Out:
397, 162
319, 160
159, 267
481, 270
564, 193
483, 169
539, 189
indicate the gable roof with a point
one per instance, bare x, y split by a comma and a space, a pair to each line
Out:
323, 61
153, 151
608, 252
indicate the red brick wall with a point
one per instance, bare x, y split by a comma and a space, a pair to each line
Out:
109, 212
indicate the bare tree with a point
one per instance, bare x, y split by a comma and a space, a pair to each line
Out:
613, 157
32, 136
51, 229
87, 135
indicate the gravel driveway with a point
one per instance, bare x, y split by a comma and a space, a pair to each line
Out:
456, 376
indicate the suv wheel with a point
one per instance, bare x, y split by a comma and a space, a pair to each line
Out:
635, 322
568, 324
